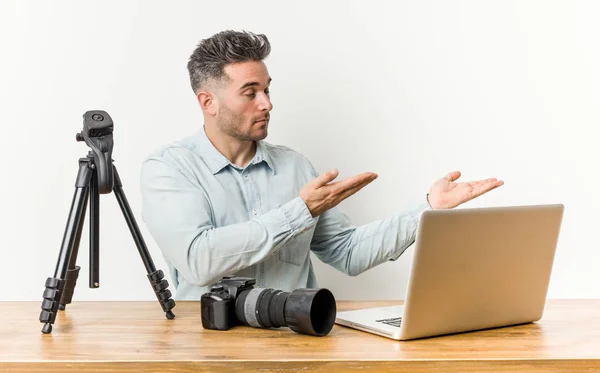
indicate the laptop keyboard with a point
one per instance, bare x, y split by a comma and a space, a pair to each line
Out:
394, 321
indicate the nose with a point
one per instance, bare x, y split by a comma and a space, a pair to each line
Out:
265, 103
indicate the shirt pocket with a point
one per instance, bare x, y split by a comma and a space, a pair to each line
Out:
297, 249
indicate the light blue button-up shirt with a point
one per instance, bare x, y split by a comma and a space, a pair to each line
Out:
210, 218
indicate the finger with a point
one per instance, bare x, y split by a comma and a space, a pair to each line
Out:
326, 178
479, 182
484, 188
492, 183
353, 182
348, 192
452, 176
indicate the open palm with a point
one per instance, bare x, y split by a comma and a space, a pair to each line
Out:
446, 193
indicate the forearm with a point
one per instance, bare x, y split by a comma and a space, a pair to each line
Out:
220, 251
380, 241
353, 250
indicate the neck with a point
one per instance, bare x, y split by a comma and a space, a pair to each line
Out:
238, 152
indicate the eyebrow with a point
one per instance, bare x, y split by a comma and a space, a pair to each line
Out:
253, 84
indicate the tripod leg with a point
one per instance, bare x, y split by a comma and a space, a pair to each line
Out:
73, 270
94, 258
156, 277
55, 286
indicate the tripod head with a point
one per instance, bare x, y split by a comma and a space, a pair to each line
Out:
97, 134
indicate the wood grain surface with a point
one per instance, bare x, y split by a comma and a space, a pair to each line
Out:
136, 336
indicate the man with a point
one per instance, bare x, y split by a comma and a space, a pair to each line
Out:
226, 202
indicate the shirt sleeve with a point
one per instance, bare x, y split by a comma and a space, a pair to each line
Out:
353, 250
179, 217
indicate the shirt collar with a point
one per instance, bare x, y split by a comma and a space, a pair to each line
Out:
217, 161
263, 155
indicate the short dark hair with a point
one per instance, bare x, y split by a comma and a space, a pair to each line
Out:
208, 60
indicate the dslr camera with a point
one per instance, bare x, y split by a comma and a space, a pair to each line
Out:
235, 301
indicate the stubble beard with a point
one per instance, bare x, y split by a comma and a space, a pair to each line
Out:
231, 125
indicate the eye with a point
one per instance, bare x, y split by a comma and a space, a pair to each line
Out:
267, 91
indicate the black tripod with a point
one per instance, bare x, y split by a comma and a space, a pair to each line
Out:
97, 175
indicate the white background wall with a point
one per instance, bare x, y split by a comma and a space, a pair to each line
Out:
410, 90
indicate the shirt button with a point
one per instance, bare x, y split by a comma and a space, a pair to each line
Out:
253, 211
246, 177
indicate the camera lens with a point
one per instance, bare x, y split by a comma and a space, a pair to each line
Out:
308, 311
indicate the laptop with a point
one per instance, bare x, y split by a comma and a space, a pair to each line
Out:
473, 269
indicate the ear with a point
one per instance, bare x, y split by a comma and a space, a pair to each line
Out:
208, 102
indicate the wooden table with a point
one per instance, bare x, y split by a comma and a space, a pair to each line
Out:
136, 336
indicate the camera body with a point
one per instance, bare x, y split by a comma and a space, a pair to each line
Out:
218, 305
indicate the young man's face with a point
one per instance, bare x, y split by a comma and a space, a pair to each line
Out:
243, 101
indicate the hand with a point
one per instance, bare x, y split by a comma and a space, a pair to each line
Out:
320, 194
446, 194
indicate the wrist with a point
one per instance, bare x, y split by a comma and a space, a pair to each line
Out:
433, 205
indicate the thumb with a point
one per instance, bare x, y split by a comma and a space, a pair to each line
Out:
326, 177
452, 176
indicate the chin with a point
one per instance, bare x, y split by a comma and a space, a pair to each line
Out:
262, 135
262, 132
